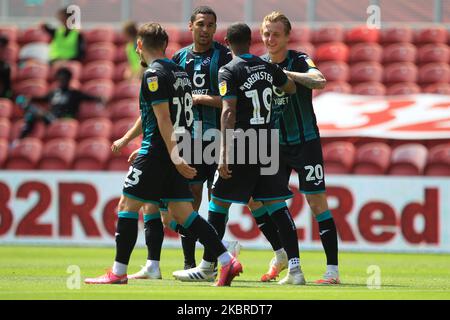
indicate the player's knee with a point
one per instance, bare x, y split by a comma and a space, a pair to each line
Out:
166, 219
317, 202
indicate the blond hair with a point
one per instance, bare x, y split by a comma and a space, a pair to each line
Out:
276, 16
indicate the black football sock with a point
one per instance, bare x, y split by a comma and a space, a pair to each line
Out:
126, 236
154, 235
217, 217
287, 230
267, 227
188, 243
328, 236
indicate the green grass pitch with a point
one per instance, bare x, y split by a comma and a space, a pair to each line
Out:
41, 273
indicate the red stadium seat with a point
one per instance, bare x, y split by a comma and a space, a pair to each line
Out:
372, 158
174, 33
127, 108
6, 108
362, 34
258, 49
62, 128
339, 157
3, 151
127, 89
98, 70
120, 55
396, 34
89, 110
11, 53
91, 154
58, 154
335, 70
338, 86
300, 34
104, 88
99, 34
366, 71
119, 38
186, 38
369, 89
32, 88
100, 51
431, 35
437, 88
33, 35
11, 32
24, 155
366, 52
305, 47
408, 160
256, 35
434, 72
37, 132
121, 127
437, 52
334, 51
329, 34
95, 128
400, 72
400, 52
172, 48
74, 66
403, 88
5, 128
119, 71
119, 162
219, 36
33, 70
438, 162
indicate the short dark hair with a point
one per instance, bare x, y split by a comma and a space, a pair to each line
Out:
130, 29
239, 34
65, 72
3, 40
203, 10
153, 36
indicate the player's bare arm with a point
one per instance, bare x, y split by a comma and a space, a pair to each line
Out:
313, 79
206, 100
289, 87
165, 126
131, 134
228, 121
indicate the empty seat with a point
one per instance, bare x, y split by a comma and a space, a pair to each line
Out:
219, 36
258, 49
119, 71
104, 88
74, 66
11, 32
339, 157
334, 51
172, 48
305, 47
403, 88
33, 70
400, 72
431, 35
127, 89
256, 35
437, 52
437, 88
173, 32
396, 34
89, 110
25, 154
335, 70
95, 128
434, 72
91, 154
329, 34
121, 127
128, 108
31, 87
120, 55
366, 52
119, 162
5, 128
3, 151
366, 71
400, 52
186, 37
99, 34
408, 160
62, 128
98, 70
438, 162
100, 51
369, 89
300, 34
58, 154
33, 35
6, 108
372, 158
337, 86
38, 130
362, 34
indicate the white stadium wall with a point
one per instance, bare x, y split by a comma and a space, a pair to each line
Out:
388, 214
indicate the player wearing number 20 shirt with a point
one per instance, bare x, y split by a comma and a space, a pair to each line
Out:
250, 81
153, 176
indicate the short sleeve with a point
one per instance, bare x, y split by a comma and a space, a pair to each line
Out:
303, 63
156, 87
227, 87
279, 77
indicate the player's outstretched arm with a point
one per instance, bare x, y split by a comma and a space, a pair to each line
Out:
131, 134
228, 120
313, 79
289, 87
166, 129
212, 101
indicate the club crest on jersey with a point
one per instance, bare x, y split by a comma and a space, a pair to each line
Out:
152, 83
310, 63
223, 88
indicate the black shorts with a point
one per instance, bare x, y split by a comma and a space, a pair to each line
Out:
246, 181
205, 171
153, 178
307, 160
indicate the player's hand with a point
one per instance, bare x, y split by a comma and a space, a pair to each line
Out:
118, 145
224, 171
133, 155
184, 169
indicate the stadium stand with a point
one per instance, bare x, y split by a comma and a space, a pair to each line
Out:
438, 162
58, 154
92, 154
372, 158
408, 160
25, 154
339, 157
